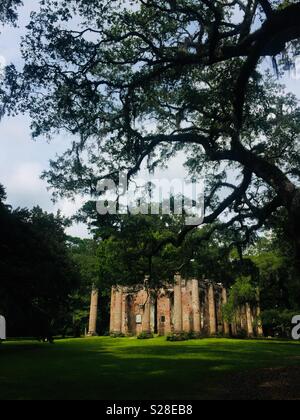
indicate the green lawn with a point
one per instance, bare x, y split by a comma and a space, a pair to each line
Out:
106, 368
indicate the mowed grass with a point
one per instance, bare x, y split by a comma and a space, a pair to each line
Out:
129, 369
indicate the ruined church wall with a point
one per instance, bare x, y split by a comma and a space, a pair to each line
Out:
187, 306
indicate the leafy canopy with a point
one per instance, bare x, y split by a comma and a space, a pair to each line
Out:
8, 10
37, 272
148, 78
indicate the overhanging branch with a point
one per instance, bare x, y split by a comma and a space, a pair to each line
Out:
237, 193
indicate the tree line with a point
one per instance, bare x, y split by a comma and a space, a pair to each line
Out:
47, 276
142, 81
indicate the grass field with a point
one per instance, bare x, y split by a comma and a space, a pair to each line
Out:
106, 368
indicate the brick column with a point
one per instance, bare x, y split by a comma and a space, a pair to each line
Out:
234, 327
243, 318
112, 305
260, 331
177, 304
118, 310
93, 313
196, 306
124, 313
250, 330
224, 301
146, 324
212, 310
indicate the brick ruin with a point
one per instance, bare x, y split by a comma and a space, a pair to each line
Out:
186, 306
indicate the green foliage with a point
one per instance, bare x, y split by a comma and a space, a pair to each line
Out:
2, 194
117, 335
242, 335
129, 248
85, 255
183, 336
278, 322
84, 252
177, 337
285, 3
8, 13
37, 272
229, 311
145, 336
278, 281
243, 291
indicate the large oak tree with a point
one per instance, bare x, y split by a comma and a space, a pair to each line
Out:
147, 78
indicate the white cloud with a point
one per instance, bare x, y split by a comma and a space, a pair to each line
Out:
24, 186
25, 178
68, 208
26, 189
78, 231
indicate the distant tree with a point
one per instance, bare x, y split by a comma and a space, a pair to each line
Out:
127, 251
130, 247
242, 292
85, 254
278, 282
36, 270
2, 194
277, 322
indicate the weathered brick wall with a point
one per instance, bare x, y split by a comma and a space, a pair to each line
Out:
187, 311
164, 314
188, 306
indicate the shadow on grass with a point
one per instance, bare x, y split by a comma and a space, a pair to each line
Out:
127, 369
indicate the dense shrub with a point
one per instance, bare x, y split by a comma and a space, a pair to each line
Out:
145, 336
278, 322
117, 335
183, 336
242, 335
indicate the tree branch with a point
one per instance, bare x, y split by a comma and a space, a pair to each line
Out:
237, 193
267, 8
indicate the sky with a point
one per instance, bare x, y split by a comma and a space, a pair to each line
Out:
22, 159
